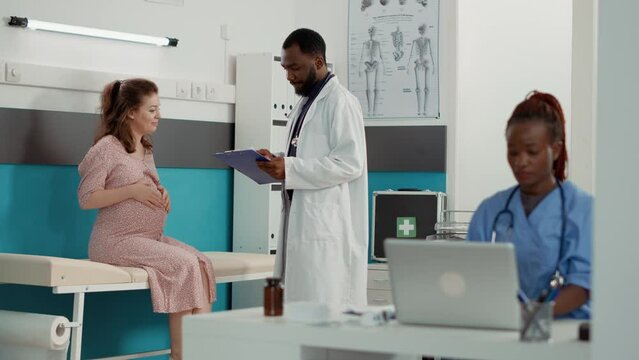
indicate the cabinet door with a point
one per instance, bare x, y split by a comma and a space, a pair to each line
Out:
275, 214
278, 92
378, 280
279, 136
379, 297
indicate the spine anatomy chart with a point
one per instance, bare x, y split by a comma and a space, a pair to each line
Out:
393, 57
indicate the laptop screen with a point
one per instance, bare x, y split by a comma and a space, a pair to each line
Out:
452, 283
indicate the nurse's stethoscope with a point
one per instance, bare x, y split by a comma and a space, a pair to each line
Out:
557, 279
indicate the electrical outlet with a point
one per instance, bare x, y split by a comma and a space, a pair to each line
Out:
183, 90
197, 90
13, 73
210, 92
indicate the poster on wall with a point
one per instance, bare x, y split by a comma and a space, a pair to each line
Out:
393, 52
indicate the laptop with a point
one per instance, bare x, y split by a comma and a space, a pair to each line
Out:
444, 283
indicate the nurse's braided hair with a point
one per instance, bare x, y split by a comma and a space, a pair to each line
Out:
540, 106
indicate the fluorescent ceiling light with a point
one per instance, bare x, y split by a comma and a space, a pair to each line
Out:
80, 30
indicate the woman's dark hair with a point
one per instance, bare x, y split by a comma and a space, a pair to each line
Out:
117, 100
309, 41
545, 108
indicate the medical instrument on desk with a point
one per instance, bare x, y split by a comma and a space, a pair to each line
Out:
374, 317
453, 225
557, 279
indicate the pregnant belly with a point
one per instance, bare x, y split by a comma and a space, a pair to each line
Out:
131, 217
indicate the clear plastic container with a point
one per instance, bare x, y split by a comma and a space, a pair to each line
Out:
453, 226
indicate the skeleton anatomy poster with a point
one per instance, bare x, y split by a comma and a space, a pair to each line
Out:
393, 49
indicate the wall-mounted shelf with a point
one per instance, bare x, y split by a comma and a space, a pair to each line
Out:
45, 76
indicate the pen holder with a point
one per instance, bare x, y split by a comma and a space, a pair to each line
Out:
537, 321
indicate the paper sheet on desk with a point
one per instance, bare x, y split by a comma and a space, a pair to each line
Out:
33, 336
244, 161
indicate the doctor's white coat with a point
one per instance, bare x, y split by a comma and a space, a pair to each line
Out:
322, 251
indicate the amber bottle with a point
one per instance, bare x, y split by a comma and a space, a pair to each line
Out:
273, 297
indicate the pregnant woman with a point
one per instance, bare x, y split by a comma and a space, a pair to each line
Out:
120, 179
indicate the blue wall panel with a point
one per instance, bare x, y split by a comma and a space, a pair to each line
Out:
39, 214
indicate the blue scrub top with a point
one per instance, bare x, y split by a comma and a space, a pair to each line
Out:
536, 238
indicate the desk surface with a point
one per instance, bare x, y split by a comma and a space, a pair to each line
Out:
250, 325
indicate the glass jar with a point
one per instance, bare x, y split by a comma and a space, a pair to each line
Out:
452, 226
273, 297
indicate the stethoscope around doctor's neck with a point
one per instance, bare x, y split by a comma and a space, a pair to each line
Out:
562, 238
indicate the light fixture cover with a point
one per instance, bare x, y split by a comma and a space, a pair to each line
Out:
93, 32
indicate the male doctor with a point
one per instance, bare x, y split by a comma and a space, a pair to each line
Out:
322, 253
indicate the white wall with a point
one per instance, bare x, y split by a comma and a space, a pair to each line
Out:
491, 54
616, 248
330, 19
505, 49
584, 60
255, 26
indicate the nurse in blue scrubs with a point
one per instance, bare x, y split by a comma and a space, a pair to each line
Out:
546, 217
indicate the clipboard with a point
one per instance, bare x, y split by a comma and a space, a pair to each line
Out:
244, 162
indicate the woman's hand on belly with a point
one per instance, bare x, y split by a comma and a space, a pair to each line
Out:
166, 200
148, 194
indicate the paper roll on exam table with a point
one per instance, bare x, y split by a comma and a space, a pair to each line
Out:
28, 336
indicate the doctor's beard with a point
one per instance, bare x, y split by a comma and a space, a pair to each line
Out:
307, 86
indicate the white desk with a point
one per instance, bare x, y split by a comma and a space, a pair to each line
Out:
246, 334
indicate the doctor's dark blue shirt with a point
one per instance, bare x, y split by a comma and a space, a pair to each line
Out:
537, 238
